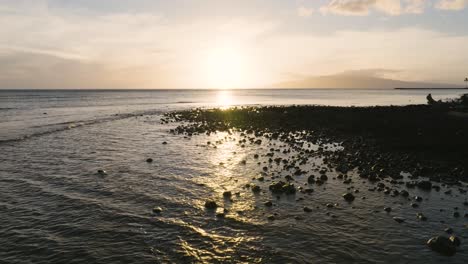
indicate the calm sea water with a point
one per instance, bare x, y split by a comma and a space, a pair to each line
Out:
55, 208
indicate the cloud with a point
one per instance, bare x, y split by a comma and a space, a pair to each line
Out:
420, 54
348, 8
364, 7
415, 6
115, 49
53, 47
304, 11
451, 4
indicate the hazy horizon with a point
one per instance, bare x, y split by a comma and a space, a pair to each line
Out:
84, 44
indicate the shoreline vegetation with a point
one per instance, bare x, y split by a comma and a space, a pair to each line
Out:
380, 142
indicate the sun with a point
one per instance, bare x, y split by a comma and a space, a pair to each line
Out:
226, 68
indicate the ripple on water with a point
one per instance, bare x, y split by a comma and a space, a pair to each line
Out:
55, 208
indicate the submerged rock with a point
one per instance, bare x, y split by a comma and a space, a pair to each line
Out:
256, 189
348, 197
425, 185
210, 204
399, 219
404, 193
442, 245
157, 210
421, 217
282, 187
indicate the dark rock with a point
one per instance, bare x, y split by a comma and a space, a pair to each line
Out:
307, 209
399, 219
256, 188
448, 230
271, 217
348, 197
425, 185
102, 172
311, 179
268, 204
149, 160
323, 177
282, 187
227, 194
442, 245
404, 193
387, 209
210, 204
157, 210
421, 217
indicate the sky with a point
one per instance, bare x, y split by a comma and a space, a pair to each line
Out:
228, 44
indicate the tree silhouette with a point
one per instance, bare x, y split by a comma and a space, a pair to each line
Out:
466, 80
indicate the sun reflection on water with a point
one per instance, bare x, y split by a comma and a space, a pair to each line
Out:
224, 99
231, 173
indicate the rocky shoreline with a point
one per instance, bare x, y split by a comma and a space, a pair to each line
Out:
427, 144
381, 142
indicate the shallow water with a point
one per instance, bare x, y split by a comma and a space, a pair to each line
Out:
54, 207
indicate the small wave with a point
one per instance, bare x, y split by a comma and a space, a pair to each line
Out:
185, 102
59, 127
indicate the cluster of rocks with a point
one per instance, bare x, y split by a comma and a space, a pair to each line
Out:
360, 153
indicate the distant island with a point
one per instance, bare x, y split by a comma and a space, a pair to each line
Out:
361, 79
428, 88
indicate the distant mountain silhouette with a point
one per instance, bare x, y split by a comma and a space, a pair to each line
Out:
357, 80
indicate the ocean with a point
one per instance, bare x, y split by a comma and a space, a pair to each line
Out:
56, 208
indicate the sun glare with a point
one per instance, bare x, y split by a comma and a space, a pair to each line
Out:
226, 68
224, 99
